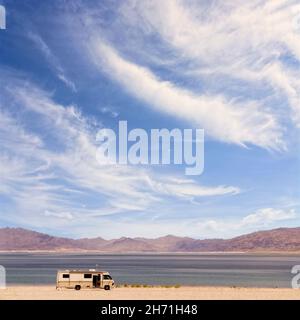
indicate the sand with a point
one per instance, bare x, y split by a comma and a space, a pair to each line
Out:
201, 293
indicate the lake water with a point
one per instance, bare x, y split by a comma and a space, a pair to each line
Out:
247, 270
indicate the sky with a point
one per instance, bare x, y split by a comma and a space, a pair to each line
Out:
71, 68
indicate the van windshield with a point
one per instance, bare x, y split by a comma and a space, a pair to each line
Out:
107, 277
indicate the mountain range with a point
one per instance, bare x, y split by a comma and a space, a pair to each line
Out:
282, 239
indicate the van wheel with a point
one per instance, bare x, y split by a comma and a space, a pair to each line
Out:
106, 287
77, 287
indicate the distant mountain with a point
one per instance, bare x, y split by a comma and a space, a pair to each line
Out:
282, 239
22, 239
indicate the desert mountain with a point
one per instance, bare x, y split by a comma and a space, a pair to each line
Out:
282, 239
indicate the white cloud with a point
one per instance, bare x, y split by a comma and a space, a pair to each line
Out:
268, 215
52, 60
242, 56
110, 112
262, 218
202, 228
248, 41
42, 177
60, 215
18, 136
189, 189
221, 118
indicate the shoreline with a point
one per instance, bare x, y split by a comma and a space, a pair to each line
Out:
49, 292
60, 252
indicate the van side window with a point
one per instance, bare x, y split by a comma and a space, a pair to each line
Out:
66, 276
87, 275
106, 277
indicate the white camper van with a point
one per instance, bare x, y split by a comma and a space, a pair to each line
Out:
83, 279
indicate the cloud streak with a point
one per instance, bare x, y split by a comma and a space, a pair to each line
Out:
62, 179
255, 43
230, 68
260, 219
222, 119
200, 228
52, 60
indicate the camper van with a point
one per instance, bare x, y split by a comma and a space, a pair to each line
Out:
84, 279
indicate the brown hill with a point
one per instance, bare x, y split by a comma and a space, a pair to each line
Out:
22, 239
282, 239
127, 245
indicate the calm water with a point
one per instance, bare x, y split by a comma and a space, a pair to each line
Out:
185, 269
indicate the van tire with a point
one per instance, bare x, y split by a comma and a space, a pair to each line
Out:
77, 287
106, 287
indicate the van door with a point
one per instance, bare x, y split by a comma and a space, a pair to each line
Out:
95, 281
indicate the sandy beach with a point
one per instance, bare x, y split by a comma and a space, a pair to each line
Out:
202, 293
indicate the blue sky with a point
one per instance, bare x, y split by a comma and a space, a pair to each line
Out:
68, 69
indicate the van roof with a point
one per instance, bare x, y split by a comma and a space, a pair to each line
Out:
83, 271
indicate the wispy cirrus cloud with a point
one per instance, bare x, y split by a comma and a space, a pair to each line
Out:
260, 219
246, 57
255, 43
51, 59
240, 97
201, 228
64, 179
60, 215
231, 68
266, 215
227, 121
